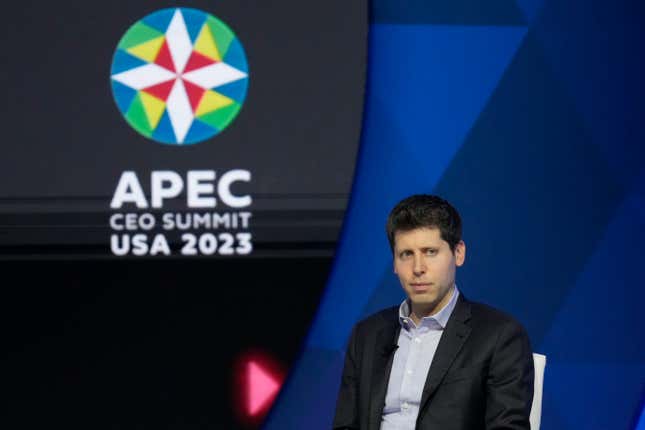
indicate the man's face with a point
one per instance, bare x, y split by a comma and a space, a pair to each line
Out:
426, 267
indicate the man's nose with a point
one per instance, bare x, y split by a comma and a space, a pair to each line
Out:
419, 265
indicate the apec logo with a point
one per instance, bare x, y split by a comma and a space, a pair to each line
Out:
179, 76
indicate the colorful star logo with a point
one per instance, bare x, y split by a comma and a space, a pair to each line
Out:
179, 76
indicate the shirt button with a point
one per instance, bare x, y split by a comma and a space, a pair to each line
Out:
405, 405
417, 340
409, 372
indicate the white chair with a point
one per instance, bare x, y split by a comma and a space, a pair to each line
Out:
539, 363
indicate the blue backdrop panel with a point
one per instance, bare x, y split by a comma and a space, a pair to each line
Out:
525, 116
431, 106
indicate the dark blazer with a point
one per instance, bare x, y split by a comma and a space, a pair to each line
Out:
481, 376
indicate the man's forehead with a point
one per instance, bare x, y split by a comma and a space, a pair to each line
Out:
418, 237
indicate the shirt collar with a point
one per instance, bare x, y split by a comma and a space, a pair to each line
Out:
441, 317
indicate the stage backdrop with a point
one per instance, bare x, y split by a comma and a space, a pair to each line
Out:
173, 181
527, 115
143, 129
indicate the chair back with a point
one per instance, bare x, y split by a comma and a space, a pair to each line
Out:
539, 363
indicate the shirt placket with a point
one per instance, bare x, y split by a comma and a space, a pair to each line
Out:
407, 387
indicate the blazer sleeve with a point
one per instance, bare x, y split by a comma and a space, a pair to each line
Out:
509, 387
347, 413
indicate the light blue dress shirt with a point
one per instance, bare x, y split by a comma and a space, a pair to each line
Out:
417, 346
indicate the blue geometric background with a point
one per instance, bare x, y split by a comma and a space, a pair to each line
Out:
526, 115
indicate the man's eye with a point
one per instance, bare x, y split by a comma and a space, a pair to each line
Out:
431, 252
405, 254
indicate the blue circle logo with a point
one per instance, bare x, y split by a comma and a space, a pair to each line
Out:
179, 76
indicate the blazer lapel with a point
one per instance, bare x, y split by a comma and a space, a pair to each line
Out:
454, 336
384, 349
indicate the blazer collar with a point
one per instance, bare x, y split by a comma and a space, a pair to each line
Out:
385, 344
453, 338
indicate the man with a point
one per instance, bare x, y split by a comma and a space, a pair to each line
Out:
438, 361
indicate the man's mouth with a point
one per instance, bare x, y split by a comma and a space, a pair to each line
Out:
420, 287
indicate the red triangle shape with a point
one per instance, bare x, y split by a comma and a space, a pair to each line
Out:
195, 94
197, 61
262, 388
164, 59
161, 90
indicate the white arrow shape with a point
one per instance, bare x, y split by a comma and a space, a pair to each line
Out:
144, 76
179, 110
214, 75
179, 42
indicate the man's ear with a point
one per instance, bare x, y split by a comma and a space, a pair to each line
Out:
460, 253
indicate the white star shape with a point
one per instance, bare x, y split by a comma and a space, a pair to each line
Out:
178, 105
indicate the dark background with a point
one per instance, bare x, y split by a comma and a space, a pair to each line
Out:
93, 341
65, 143
147, 344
